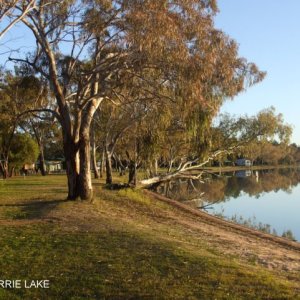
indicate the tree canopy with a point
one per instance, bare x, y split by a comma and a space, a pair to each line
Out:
144, 79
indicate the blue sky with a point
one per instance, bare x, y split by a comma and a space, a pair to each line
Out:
268, 32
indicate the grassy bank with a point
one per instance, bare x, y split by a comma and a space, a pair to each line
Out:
124, 245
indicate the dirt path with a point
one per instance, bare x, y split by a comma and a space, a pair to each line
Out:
233, 239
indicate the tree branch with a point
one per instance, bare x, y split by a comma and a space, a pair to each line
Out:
55, 113
25, 11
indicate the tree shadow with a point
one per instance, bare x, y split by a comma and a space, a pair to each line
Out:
30, 210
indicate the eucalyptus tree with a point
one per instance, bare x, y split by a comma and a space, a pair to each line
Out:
35, 93
10, 14
8, 124
292, 154
264, 135
84, 48
23, 150
234, 135
42, 127
124, 120
16, 94
110, 124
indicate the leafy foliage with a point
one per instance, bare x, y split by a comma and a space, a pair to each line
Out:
24, 150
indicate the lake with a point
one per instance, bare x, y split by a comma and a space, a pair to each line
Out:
268, 199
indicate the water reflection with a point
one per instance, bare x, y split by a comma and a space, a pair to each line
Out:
221, 187
271, 196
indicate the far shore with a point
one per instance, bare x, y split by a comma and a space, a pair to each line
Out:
241, 168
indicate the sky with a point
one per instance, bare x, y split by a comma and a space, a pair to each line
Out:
268, 34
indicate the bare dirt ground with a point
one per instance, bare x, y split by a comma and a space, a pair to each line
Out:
233, 239
275, 253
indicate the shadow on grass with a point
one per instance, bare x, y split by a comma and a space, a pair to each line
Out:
30, 210
124, 265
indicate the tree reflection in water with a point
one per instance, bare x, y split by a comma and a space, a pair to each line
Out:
220, 188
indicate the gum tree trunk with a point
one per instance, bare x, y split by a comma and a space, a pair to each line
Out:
12, 172
4, 168
1, 168
156, 166
75, 122
42, 161
85, 179
132, 173
94, 158
85, 188
102, 163
72, 169
108, 166
132, 176
170, 165
39, 136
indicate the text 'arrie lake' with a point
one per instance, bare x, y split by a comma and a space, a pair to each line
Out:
27, 284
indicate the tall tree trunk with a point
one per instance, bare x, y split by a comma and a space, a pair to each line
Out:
170, 165
85, 179
42, 161
72, 168
85, 188
1, 168
94, 158
117, 165
12, 172
132, 173
150, 168
121, 168
108, 156
5, 169
39, 136
102, 163
156, 166
133, 166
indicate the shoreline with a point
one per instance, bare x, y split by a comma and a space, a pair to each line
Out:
225, 224
128, 241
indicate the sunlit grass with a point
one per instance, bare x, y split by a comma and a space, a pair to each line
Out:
121, 246
134, 195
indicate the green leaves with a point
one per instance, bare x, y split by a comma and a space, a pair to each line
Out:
24, 150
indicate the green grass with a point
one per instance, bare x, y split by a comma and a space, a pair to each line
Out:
123, 246
133, 195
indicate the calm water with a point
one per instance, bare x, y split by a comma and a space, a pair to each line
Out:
269, 196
